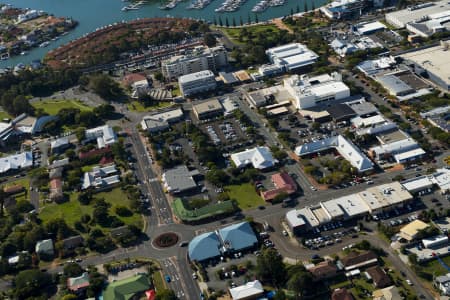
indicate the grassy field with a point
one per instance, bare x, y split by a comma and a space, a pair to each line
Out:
138, 107
245, 195
234, 33
434, 267
72, 210
4, 115
52, 107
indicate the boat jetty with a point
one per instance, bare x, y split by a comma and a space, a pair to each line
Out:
133, 6
230, 6
262, 5
199, 4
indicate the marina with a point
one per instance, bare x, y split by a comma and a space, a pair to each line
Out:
134, 6
92, 14
230, 6
199, 4
263, 5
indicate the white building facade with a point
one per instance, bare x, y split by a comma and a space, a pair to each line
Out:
198, 82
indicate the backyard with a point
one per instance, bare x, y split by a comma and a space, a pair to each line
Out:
245, 195
25, 182
72, 210
52, 107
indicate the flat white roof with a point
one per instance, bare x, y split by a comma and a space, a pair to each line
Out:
368, 27
404, 16
294, 218
196, 76
333, 209
417, 183
250, 289
365, 122
435, 60
442, 178
353, 205
409, 154
309, 216
16, 161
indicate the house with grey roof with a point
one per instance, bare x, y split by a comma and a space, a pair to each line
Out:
44, 247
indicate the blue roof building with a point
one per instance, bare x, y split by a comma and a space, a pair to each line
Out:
238, 237
204, 246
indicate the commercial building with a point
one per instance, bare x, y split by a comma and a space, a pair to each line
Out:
341, 112
283, 184
343, 146
372, 200
59, 145
129, 288
343, 48
370, 122
291, 57
161, 121
394, 85
340, 9
434, 62
199, 59
402, 149
409, 232
101, 177
425, 11
207, 109
252, 290
16, 162
104, 135
435, 241
198, 82
373, 67
259, 157
431, 24
310, 91
228, 240
366, 28
179, 179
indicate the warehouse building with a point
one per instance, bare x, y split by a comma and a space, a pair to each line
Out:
434, 62
308, 92
196, 83
401, 18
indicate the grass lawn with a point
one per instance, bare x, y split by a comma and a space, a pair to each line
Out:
52, 107
158, 281
138, 107
245, 195
4, 115
233, 33
72, 210
434, 267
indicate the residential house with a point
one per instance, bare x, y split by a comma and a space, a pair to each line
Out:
56, 190
323, 270
44, 247
342, 294
78, 284
357, 260
379, 277
73, 242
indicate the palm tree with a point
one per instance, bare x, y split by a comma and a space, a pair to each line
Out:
2, 200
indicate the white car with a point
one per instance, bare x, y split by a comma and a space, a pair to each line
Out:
285, 233
409, 282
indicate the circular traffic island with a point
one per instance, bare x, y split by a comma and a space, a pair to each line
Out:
166, 240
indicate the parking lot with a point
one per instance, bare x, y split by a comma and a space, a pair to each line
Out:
229, 134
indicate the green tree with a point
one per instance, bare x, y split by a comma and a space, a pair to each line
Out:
2, 200
217, 177
31, 283
73, 270
227, 24
210, 39
270, 267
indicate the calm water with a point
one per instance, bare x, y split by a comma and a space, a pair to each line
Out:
92, 14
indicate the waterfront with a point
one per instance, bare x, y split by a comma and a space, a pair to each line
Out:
92, 14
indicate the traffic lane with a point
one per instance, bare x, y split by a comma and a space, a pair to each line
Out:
172, 278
